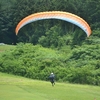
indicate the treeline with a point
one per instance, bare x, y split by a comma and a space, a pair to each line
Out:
12, 11
80, 65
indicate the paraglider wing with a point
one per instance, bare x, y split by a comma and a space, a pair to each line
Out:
69, 17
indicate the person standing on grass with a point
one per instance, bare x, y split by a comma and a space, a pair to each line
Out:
52, 79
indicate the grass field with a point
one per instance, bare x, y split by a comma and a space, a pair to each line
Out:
19, 88
6, 47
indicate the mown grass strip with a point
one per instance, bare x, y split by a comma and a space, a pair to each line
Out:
19, 88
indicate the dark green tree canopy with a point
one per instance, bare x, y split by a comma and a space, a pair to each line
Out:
13, 11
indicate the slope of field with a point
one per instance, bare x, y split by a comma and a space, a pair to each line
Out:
19, 88
6, 47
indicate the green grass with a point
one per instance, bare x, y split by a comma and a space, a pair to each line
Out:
6, 47
19, 88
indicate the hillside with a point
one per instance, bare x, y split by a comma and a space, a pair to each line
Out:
52, 45
78, 65
19, 88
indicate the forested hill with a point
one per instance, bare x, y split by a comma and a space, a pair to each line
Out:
12, 11
56, 45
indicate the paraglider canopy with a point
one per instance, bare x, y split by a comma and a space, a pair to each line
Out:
66, 16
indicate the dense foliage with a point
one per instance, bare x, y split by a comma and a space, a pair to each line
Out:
12, 11
80, 65
59, 47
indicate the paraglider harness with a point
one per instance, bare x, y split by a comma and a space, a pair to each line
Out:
52, 77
